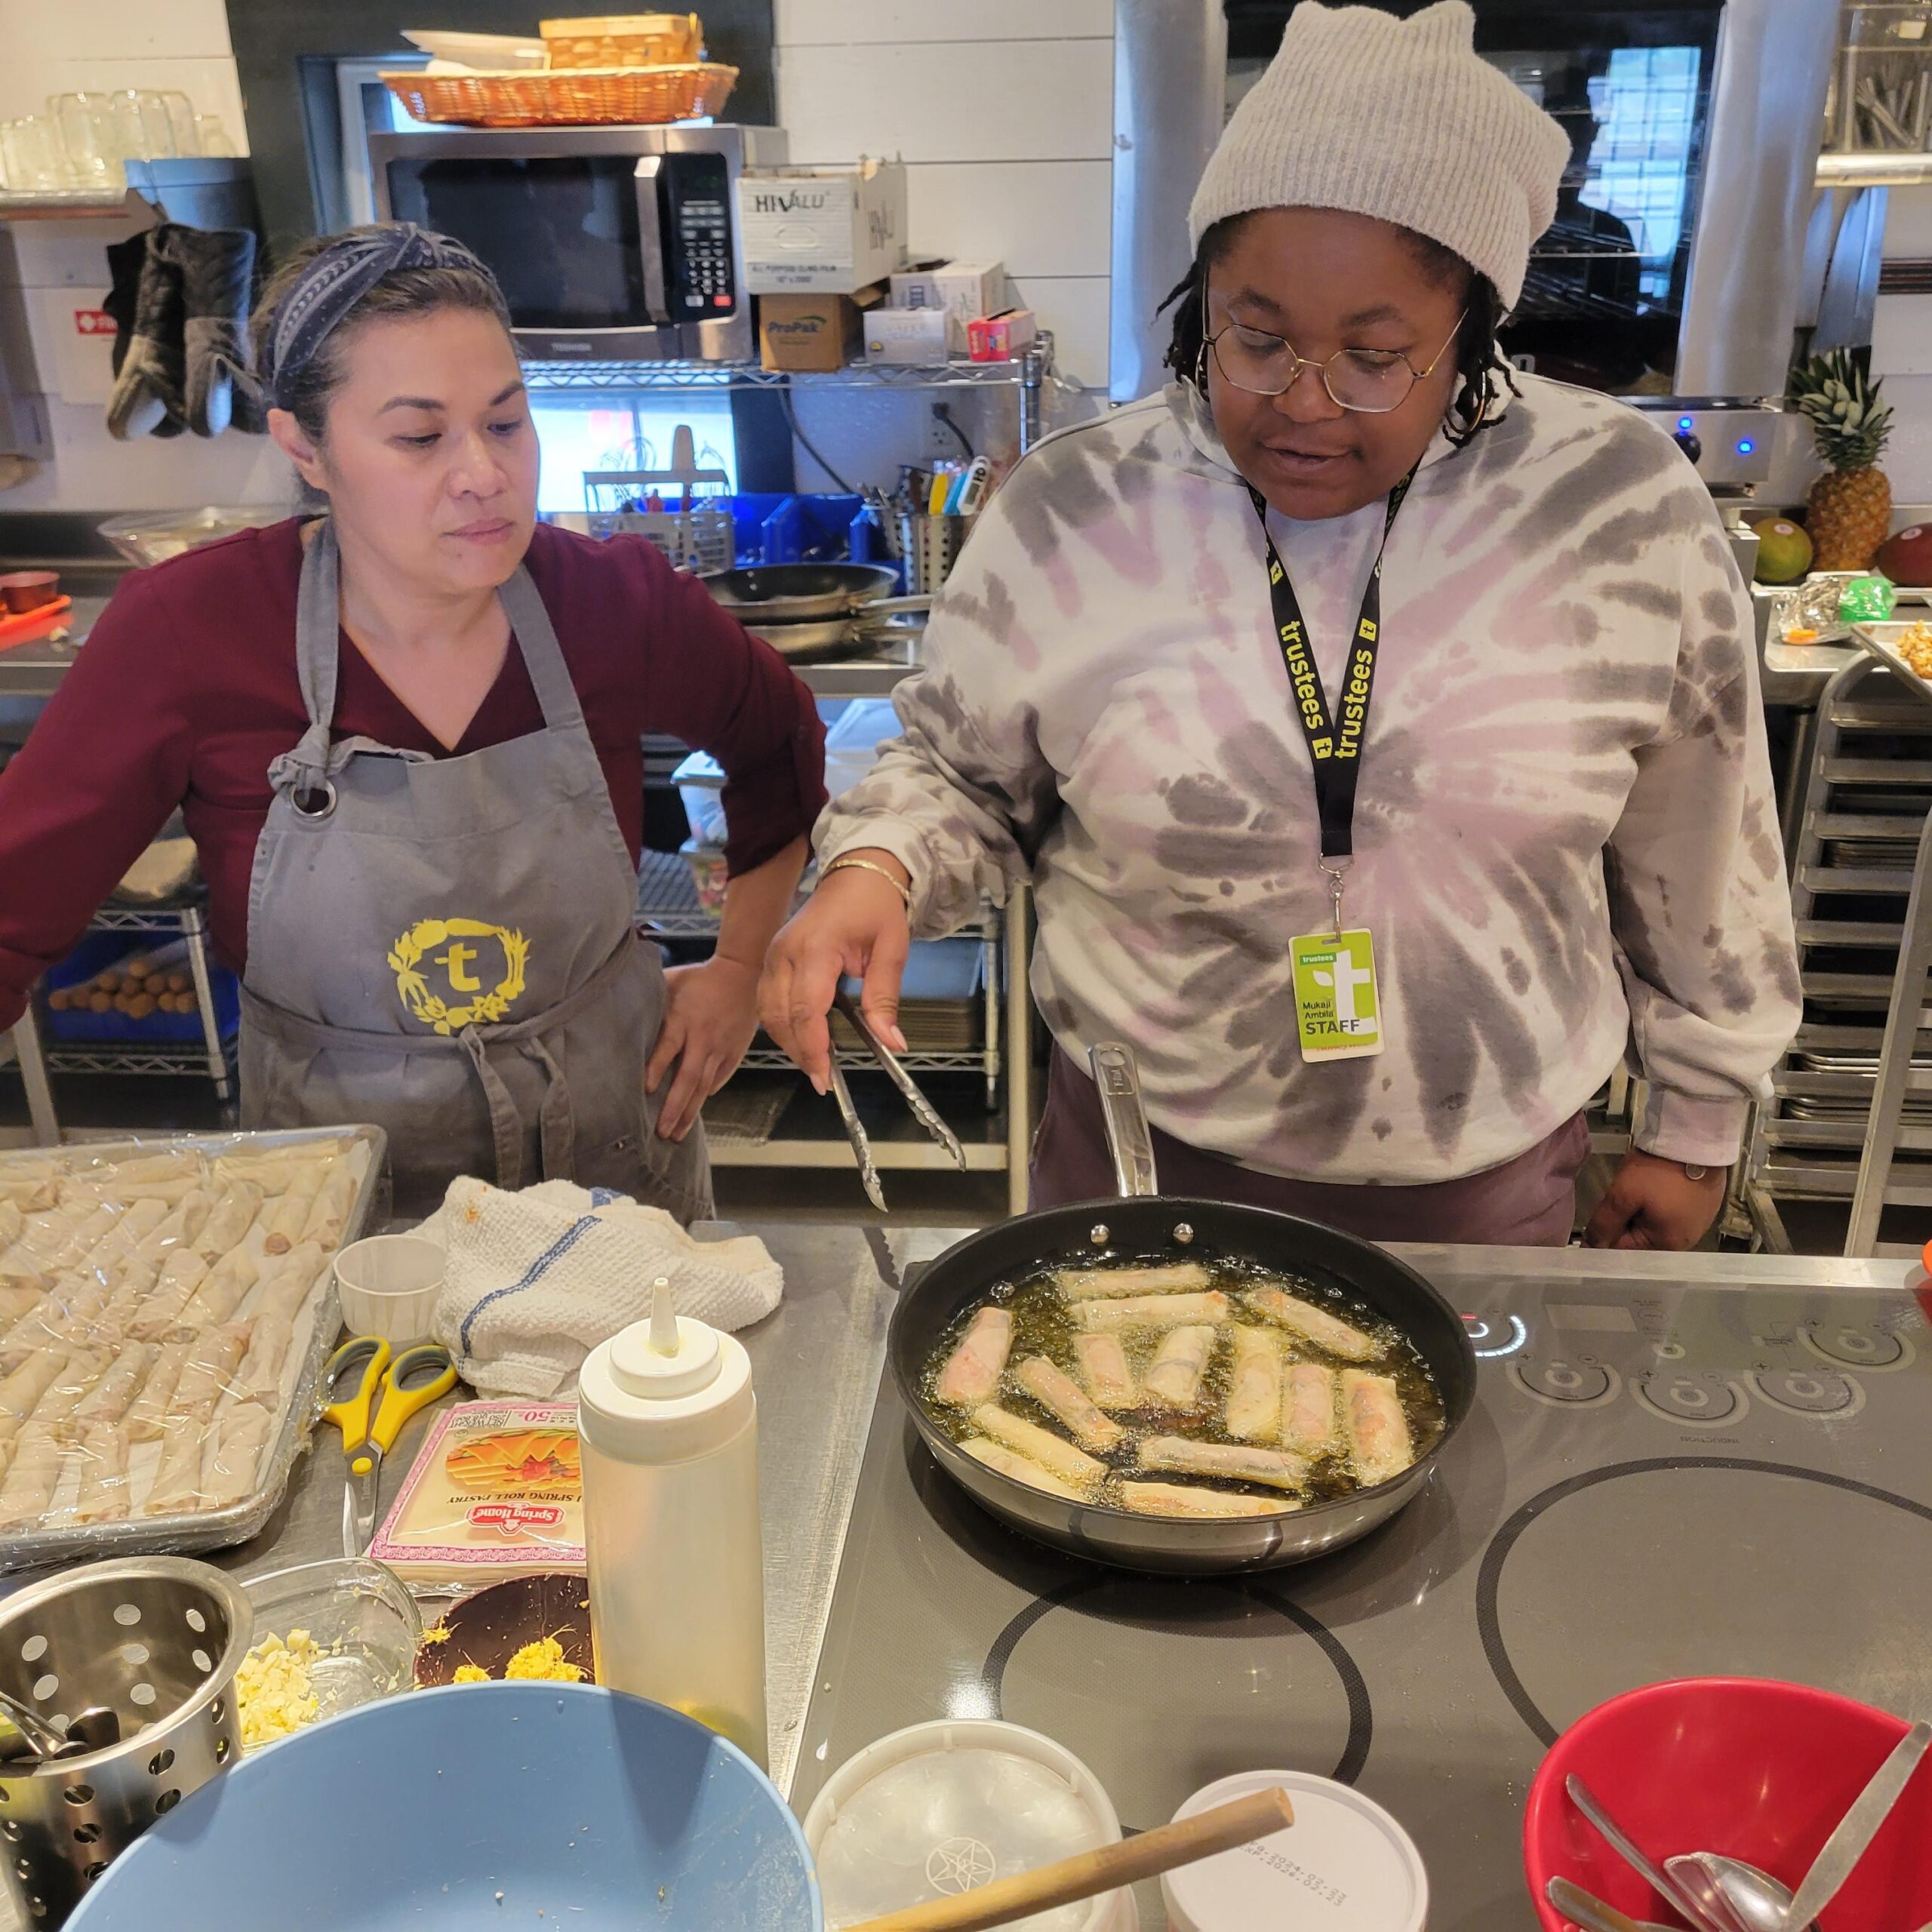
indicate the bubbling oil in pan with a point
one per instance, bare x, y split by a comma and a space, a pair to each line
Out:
1044, 1324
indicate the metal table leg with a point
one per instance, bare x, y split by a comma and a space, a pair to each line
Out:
1901, 1024
1018, 1049
194, 929
33, 1076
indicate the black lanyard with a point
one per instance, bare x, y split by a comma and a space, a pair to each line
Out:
1334, 739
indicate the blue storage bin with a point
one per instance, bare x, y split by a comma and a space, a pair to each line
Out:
779, 527
100, 950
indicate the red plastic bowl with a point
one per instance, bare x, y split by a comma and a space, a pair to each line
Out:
1760, 1770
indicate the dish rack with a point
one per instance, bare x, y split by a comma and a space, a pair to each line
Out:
566, 96
698, 535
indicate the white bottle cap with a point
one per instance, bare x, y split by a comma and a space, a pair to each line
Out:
664, 1390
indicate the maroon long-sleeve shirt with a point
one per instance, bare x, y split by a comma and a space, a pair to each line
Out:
186, 690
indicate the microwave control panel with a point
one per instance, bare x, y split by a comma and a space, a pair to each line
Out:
700, 283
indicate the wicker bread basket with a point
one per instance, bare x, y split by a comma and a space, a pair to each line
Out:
623, 40
566, 96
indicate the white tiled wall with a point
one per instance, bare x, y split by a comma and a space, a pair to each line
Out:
57, 46
1002, 111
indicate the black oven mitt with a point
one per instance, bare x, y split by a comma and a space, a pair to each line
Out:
145, 303
217, 276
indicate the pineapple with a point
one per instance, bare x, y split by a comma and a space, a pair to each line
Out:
1849, 512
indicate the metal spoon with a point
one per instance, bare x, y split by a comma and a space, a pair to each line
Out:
1585, 1909
1753, 1898
1607, 1829
1688, 1870
94, 1729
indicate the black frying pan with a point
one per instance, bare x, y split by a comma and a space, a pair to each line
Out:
1142, 1222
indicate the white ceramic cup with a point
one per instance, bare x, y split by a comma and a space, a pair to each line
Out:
389, 1285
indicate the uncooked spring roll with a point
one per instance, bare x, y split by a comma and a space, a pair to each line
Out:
1379, 1441
229, 1474
1313, 1325
1060, 1395
94, 1229
973, 1370
1254, 1388
1080, 1284
1151, 1312
210, 1369
20, 1392
118, 1245
190, 1216
233, 1215
13, 1219
1103, 1367
290, 1215
103, 1461
289, 1280
273, 1172
1174, 1499
1275, 1467
112, 1397
148, 1419
177, 1485
31, 1478
329, 1216
997, 1456
260, 1377
181, 1275
17, 1300
55, 1410
1308, 1408
1173, 1377
151, 1167
222, 1289
31, 1183
1037, 1444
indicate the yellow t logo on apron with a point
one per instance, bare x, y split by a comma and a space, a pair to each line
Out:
441, 942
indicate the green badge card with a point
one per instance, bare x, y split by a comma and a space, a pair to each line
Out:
1337, 1011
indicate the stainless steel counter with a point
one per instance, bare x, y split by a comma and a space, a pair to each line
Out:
34, 670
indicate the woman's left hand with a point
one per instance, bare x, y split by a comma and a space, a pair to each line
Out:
1652, 1203
710, 1015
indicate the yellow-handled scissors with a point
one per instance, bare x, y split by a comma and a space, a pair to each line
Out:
368, 1395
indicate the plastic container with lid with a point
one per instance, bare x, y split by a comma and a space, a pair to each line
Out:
948, 1807
668, 1426
1344, 1866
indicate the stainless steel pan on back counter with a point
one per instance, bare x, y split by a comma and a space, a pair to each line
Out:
1165, 1227
217, 1528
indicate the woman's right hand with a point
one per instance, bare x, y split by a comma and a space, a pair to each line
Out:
854, 923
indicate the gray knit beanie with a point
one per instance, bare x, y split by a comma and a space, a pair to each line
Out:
1400, 119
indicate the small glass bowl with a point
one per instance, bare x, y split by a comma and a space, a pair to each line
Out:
360, 1614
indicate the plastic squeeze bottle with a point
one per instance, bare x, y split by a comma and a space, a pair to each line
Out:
669, 1426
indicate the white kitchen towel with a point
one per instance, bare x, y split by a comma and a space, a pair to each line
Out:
537, 1279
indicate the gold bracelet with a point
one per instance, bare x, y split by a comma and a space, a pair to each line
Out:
878, 871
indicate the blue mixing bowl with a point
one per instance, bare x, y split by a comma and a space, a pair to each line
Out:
477, 1806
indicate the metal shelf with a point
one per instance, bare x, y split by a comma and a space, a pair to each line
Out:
958, 375
966, 1059
168, 1059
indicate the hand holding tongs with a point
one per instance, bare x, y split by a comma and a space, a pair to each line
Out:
924, 1112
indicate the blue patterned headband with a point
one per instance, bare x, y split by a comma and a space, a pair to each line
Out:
335, 282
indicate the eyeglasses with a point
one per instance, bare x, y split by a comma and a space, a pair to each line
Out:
1370, 381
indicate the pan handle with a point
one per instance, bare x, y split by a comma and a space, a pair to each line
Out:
1130, 1140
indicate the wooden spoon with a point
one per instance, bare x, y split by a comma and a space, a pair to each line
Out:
1087, 1874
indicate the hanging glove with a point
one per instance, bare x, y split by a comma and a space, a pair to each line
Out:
217, 276
149, 364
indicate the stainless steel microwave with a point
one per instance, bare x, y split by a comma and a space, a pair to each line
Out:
612, 244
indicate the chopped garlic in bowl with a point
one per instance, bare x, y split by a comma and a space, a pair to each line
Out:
275, 1690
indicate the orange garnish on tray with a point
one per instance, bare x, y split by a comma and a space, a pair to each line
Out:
1800, 636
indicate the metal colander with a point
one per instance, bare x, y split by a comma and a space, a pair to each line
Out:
157, 1640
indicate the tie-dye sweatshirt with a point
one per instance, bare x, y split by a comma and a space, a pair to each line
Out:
1565, 844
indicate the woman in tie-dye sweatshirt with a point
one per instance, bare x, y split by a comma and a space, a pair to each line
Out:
1564, 841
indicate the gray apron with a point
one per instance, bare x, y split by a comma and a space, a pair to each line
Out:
447, 946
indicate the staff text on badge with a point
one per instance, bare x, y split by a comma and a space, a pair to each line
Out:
1338, 1012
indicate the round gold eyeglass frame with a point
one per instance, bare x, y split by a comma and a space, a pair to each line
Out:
1298, 363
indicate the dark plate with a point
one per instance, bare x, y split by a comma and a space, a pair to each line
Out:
490, 1626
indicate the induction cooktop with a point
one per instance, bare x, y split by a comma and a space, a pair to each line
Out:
1658, 1480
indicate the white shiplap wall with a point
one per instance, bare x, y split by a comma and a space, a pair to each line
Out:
49, 47
1002, 111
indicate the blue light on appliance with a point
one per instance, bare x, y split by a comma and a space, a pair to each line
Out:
1744, 446
1686, 423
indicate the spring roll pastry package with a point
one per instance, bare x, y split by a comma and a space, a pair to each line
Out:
152, 1333
496, 1491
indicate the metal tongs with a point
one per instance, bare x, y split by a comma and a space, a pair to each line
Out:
924, 1112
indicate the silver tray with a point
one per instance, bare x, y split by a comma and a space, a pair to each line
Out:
1882, 640
214, 1529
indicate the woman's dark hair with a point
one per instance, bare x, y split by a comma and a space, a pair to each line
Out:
400, 296
1479, 362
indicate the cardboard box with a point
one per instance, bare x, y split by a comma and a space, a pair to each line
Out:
812, 332
918, 336
1000, 338
962, 289
821, 231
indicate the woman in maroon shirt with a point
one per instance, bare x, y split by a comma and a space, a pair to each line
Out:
406, 739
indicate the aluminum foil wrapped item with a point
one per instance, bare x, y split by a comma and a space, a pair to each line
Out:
1809, 613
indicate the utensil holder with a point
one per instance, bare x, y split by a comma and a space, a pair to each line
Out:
157, 1640
929, 546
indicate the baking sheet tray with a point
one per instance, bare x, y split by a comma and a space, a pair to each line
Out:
1882, 640
215, 1529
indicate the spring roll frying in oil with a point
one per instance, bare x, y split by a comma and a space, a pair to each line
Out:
1308, 1408
1133, 1311
1313, 1325
1181, 1278
1180, 1456
1379, 1441
1053, 1453
1060, 1395
1174, 1376
1103, 1367
997, 1456
972, 1372
1253, 1412
1174, 1499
